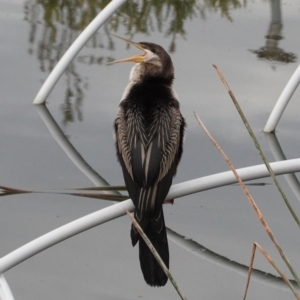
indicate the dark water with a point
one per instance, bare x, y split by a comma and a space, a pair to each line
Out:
255, 44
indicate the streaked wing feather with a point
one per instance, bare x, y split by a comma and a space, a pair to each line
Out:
149, 149
170, 139
123, 145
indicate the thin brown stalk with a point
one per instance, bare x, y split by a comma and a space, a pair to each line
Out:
156, 255
257, 145
108, 197
271, 261
93, 188
7, 191
102, 188
250, 269
252, 202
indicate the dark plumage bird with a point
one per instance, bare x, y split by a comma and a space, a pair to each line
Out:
149, 131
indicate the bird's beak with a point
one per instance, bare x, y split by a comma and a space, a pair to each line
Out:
136, 58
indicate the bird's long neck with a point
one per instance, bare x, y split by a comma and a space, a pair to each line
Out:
139, 75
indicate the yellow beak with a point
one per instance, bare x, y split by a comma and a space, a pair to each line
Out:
136, 58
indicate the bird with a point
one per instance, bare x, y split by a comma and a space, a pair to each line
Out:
149, 130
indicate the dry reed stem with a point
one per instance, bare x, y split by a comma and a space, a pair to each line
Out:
257, 145
252, 202
156, 255
92, 188
268, 168
271, 261
7, 191
250, 269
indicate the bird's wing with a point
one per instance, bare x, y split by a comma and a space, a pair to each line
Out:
132, 142
123, 140
148, 153
144, 156
170, 140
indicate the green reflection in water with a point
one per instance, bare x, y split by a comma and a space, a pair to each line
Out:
55, 24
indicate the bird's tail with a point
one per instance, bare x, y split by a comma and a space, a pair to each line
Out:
156, 232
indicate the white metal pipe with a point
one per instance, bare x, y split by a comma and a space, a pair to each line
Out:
283, 101
227, 178
64, 232
5, 292
117, 210
74, 49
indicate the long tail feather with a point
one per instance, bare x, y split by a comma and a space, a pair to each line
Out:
156, 232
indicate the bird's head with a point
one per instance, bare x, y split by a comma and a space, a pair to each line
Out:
153, 62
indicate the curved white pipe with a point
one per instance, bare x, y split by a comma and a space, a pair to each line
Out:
5, 292
283, 101
117, 210
74, 49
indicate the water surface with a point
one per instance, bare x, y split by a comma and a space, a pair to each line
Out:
257, 51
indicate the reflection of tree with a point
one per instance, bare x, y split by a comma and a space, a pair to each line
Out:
55, 24
75, 93
224, 6
271, 50
165, 16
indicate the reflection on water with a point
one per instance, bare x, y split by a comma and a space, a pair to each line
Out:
271, 51
68, 148
225, 6
279, 155
54, 25
203, 252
